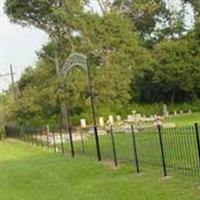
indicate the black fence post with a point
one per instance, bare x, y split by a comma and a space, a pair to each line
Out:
36, 136
198, 141
135, 149
47, 137
54, 142
20, 133
5, 131
31, 134
23, 137
92, 98
113, 146
28, 135
162, 151
71, 140
41, 138
82, 142
61, 140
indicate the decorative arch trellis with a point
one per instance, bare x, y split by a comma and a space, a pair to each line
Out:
80, 60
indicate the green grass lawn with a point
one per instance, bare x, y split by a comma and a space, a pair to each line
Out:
185, 119
29, 173
180, 149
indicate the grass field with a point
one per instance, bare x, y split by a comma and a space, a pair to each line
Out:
185, 119
29, 173
180, 149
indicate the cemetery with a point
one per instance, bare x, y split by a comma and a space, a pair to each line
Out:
100, 100
139, 121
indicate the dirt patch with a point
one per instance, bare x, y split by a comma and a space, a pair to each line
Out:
166, 178
169, 125
109, 164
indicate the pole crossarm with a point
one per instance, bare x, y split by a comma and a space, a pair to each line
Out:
3, 75
75, 59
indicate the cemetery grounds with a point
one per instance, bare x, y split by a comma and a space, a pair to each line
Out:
28, 172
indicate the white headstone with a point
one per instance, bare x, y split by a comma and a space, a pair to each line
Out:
165, 111
47, 127
129, 117
181, 112
101, 122
134, 112
83, 123
138, 115
111, 119
189, 112
175, 113
119, 119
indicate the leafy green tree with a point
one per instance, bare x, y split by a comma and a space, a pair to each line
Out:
175, 73
123, 69
55, 17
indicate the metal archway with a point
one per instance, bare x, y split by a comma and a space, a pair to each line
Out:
78, 59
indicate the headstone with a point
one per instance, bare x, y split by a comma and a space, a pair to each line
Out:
119, 119
134, 112
47, 128
138, 115
129, 117
175, 113
111, 119
165, 111
83, 123
101, 122
157, 122
181, 112
189, 112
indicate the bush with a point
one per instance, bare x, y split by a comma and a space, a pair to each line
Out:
194, 107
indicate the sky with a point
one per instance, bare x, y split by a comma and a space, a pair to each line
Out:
17, 47
18, 44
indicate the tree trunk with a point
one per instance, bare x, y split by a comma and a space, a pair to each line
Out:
194, 95
173, 96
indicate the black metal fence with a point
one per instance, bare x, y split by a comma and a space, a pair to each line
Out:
172, 150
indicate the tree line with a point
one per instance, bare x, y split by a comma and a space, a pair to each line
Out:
139, 52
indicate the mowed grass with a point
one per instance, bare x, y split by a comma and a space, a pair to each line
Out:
185, 119
30, 173
180, 149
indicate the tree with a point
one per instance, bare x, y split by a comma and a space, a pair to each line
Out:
123, 68
48, 15
175, 74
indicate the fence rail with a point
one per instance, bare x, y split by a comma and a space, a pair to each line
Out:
172, 150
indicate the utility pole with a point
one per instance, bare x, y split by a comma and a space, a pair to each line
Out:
13, 83
11, 74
